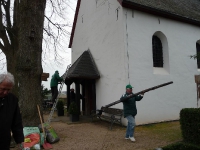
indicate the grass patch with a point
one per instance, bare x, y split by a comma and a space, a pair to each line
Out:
167, 131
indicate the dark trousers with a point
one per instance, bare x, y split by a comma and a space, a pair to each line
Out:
54, 92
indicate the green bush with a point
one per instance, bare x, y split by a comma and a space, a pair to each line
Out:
190, 125
181, 146
60, 105
190, 128
175, 146
73, 109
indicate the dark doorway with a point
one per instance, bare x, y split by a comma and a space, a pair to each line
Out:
90, 97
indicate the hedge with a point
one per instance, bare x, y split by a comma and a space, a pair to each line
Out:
190, 125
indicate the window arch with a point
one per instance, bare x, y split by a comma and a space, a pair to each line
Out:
198, 55
157, 52
160, 53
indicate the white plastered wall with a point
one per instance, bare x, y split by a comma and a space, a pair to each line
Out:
179, 43
100, 29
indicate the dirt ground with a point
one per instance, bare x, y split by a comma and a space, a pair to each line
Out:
89, 135
97, 136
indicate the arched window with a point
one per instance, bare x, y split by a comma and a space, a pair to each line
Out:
198, 55
157, 52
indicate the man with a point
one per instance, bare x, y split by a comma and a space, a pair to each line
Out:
130, 112
72, 95
55, 79
10, 116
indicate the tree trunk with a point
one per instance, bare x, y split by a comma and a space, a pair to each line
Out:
11, 65
29, 65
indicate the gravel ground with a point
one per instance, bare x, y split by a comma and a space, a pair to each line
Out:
96, 136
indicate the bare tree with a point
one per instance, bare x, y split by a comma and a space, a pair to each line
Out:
55, 29
21, 37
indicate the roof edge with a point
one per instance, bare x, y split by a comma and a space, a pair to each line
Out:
92, 59
158, 12
74, 23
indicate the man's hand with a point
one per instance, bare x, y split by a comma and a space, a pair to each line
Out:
142, 93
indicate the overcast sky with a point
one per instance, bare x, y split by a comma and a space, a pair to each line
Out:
50, 67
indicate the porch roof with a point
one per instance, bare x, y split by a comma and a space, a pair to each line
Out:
84, 67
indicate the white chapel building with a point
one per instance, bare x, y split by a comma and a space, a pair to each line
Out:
138, 42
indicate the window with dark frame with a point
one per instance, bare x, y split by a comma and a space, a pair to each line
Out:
157, 52
198, 55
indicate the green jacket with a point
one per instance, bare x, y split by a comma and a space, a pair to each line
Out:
55, 79
130, 105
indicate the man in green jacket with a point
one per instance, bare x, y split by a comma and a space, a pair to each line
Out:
55, 79
130, 112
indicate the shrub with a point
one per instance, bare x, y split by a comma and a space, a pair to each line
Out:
181, 146
190, 125
60, 105
73, 109
175, 146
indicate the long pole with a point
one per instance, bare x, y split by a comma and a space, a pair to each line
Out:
133, 95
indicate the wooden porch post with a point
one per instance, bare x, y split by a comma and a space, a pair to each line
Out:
77, 97
83, 99
93, 95
68, 96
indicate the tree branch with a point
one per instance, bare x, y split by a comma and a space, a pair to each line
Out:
4, 35
1, 17
6, 6
58, 26
2, 47
8, 27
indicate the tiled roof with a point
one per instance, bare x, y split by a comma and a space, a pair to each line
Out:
185, 9
84, 67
